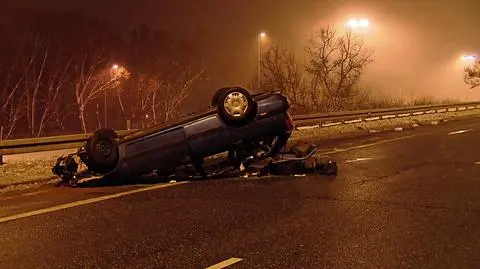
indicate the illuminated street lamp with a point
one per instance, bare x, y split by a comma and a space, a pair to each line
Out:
357, 23
469, 58
261, 36
469, 61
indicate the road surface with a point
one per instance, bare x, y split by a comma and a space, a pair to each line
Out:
406, 199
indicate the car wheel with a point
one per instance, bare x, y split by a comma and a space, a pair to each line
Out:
102, 151
215, 97
236, 106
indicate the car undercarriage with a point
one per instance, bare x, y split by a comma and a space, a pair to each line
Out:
260, 160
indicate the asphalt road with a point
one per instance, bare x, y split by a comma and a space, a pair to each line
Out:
409, 199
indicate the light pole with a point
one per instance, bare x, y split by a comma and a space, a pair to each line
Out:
261, 36
114, 69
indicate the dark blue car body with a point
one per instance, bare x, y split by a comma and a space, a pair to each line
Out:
165, 147
260, 132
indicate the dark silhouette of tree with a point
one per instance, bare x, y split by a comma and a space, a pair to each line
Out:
164, 72
56, 68
281, 71
472, 75
327, 81
336, 62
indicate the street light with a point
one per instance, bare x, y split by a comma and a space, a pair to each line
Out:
469, 58
357, 23
261, 36
468, 61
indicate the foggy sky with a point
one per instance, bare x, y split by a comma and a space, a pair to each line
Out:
417, 43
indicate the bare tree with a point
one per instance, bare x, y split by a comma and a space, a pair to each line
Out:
173, 89
14, 111
13, 74
283, 72
336, 62
11, 104
139, 97
166, 71
93, 78
162, 96
34, 78
472, 75
119, 74
56, 80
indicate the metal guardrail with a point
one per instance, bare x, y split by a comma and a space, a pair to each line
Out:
45, 143
320, 119
346, 117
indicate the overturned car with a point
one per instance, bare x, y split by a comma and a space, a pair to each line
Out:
247, 128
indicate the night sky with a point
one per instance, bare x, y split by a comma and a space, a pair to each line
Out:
417, 43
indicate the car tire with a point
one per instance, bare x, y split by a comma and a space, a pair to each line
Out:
102, 151
236, 106
214, 101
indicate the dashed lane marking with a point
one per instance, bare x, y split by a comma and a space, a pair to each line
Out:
372, 144
358, 160
225, 263
460, 132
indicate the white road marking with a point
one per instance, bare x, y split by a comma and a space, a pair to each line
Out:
460, 132
375, 143
371, 144
308, 127
34, 193
84, 202
224, 264
358, 160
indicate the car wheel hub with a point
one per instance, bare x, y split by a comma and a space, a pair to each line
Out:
236, 104
104, 148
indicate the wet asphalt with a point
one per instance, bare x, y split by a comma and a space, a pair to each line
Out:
402, 200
